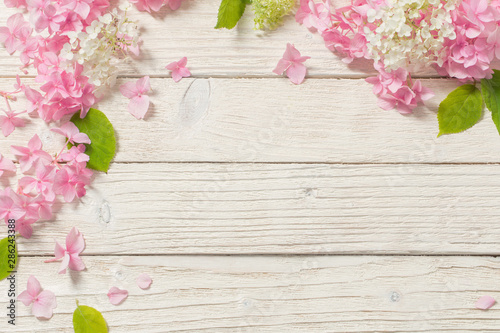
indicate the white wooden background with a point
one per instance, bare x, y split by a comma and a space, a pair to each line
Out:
260, 206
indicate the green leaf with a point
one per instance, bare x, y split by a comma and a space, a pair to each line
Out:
491, 94
461, 110
102, 136
8, 247
88, 320
230, 12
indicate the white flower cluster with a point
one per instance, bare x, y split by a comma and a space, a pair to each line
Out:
410, 33
102, 46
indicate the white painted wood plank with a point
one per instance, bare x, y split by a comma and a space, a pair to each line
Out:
283, 208
242, 52
266, 120
273, 294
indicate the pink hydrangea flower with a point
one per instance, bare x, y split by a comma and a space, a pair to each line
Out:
33, 155
137, 93
15, 34
42, 184
292, 64
10, 121
179, 69
44, 301
10, 209
70, 254
70, 183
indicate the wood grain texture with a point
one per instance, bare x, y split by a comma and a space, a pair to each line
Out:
262, 120
243, 52
284, 208
272, 294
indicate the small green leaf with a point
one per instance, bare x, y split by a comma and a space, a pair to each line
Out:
230, 12
461, 110
491, 94
102, 136
88, 320
8, 256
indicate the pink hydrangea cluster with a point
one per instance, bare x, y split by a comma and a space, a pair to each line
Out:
38, 36
459, 38
39, 40
155, 5
45, 177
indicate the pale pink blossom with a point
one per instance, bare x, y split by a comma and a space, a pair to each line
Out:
179, 69
292, 64
137, 93
70, 254
44, 301
144, 281
116, 295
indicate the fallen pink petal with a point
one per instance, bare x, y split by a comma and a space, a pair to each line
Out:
485, 302
116, 295
144, 281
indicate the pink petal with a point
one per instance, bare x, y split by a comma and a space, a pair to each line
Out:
6, 164
34, 287
184, 72
81, 138
176, 75
172, 66
485, 302
182, 62
44, 304
291, 53
76, 263
282, 66
155, 5
64, 264
25, 298
74, 241
59, 251
7, 126
138, 106
296, 72
116, 296
129, 89
143, 85
144, 281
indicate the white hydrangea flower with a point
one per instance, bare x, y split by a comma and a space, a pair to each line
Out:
400, 41
101, 47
